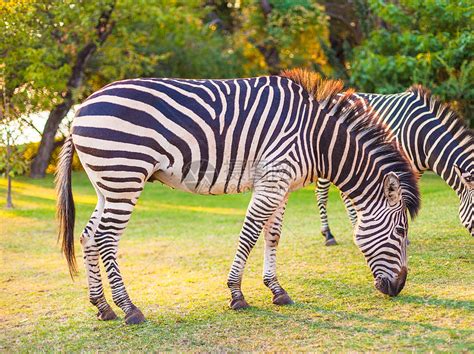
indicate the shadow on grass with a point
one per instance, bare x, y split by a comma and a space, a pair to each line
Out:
388, 324
446, 303
343, 289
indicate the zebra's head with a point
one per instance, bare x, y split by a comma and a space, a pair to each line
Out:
381, 233
466, 196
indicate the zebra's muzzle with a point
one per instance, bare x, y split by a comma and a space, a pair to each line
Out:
392, 287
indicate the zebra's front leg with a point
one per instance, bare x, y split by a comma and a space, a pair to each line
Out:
351, 212
272, 232
322, 192
112, 224
264, 203
91, 262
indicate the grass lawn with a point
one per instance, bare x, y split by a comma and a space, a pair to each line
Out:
175, 257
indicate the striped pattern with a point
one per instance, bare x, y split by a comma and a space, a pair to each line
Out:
265, 134
431, 136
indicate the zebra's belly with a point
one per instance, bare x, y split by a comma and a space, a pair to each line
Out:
298, 184
206, 183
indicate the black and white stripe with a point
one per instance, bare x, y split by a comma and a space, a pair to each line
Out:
431, 136
265, 134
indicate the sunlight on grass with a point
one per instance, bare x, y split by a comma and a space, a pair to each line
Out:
175, 257
218, 211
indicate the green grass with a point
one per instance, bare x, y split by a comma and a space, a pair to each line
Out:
175, 257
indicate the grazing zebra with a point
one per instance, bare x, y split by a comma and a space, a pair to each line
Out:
432, 137
270, 134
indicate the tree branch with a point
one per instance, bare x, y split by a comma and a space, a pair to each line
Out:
30, 124
103, 29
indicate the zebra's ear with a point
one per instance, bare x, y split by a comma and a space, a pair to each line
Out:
392, 188
466, 178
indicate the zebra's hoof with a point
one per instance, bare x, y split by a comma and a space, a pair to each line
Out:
330, 240
238, 304
282, 299
106, 315
134, 316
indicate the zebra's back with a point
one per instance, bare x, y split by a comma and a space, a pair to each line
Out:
203, 136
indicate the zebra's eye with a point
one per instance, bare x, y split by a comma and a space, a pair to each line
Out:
401, 231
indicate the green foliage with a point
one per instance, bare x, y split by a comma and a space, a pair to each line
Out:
11, 128
12, 162
295, 29
408, 41
43, 41
40, 41
165, 39
291, 19
428, 42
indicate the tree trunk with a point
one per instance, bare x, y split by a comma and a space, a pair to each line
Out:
269, 51
9, 178
272, 58
57, 114
9, 192
41, 161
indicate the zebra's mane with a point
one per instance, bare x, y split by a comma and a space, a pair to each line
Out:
312, 82
446, 115
361, 121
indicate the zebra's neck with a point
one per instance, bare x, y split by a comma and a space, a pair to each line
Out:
427, 131
355, 161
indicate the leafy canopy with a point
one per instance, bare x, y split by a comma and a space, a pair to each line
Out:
419, 41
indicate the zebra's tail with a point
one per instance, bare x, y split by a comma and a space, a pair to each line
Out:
65, 211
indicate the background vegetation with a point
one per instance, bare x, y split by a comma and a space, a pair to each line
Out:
55, 53
175, 256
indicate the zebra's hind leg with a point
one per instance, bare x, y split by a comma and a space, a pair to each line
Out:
272, 232
322, 192
265, 201
91, 261
114, 220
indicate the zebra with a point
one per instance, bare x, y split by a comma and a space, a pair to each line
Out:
431, 136
269, 134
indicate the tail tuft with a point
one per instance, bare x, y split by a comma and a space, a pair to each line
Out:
65, 211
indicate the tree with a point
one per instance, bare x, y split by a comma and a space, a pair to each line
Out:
428, 42
85, 45
271, 35
46, 47
350, 22
11, 154
59, 52
11, 127
288, 33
